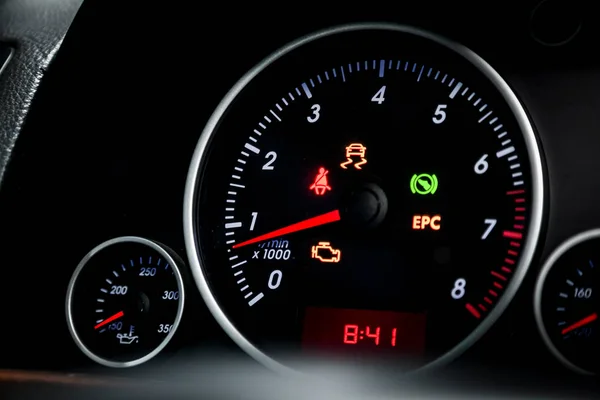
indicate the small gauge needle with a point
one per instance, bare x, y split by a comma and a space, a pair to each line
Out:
109, 319
322, 219
580, 323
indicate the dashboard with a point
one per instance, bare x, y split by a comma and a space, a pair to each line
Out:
410, 189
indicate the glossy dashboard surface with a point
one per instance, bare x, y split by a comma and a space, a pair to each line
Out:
107, 145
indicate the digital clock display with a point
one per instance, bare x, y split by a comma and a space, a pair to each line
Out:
351, 331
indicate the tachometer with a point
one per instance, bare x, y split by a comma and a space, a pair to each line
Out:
367, 191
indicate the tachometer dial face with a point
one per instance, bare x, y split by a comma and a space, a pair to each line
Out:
125, 301
370, 191
567, 305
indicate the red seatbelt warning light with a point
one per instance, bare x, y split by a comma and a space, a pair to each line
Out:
321, 182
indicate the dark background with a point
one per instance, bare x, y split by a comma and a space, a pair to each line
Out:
105, 148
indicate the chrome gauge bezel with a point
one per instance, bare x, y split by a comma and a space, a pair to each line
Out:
72, 283
200, 153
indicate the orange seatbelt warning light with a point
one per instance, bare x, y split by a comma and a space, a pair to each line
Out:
355, 152
421, 222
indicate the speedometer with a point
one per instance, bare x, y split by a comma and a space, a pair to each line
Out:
370, 191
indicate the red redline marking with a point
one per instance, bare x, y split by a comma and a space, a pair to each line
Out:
519, 227
473, 310
520, 200
509, 261
497, 275
513, 235
481, 307
499, 286
510, 193
515, 244
493, 293
487, 300
520, 209
513, 253
519, 218
507, 270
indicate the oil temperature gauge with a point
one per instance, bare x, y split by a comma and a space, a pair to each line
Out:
567, 302
125, 301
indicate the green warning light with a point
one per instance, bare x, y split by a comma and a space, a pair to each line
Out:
423, 184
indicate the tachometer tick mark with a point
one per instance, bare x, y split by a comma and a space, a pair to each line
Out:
99, 310
238, 169
570, 282
312, 84
285, 102
420, 73
464, 92
505, 152
100, 300
564, 295
477, 102
498, 127
436, 76
278, 107
306, 91
248, 295
518, 183
483, 108
473, 310
343, 73
451, 82
429, 72
471, 96
263, 125
349, 68
238, 264
501, 135
381, 68
123, 267
237, 185
236, 177
115, 274
267, 119
506, 142
444, 78
244, 154
244, 288
398, 64
104, 290
455, 90
484, 117
579, 272
252, 148
241, 280
497, 275
326, 75
406, 66
108, 281
493, 120
241, 271
517, 174
298, 92
256, 299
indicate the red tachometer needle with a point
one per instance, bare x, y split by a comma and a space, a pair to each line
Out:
322, 219
109, 319
580, 323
